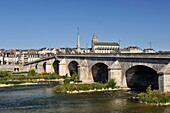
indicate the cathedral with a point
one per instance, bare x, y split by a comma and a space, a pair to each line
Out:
103, 47
98, 47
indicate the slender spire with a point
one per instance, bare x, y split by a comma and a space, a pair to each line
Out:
78, 40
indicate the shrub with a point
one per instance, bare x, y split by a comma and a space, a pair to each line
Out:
4, 73
67, 80
37, 76
75, 77
32, 72
111, 84
85, 87
45, 73
72, 87
60, 89
98, 86
153, 96
54, 76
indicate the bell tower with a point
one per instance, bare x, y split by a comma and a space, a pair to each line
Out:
94, 39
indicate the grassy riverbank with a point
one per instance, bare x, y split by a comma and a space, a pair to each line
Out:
154, 97
25, 77
84, 87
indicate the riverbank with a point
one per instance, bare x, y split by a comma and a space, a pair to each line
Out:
86, 88
28, 78
97, 90
23, 84
35, 82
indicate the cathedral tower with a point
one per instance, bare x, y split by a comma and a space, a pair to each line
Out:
94, 39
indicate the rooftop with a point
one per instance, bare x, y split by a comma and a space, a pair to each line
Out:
106, 43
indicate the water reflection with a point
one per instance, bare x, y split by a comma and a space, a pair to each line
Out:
42, 99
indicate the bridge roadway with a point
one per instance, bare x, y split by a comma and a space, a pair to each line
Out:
134, 70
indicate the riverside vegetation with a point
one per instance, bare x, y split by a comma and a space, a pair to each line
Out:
72, 84
25, 77
154, 97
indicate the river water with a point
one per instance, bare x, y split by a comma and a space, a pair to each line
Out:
42, 99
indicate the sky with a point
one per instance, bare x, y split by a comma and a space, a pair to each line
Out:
27, 24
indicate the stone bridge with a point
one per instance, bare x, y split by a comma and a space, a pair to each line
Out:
136, 71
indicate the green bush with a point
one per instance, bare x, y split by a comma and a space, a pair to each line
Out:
67, 80
153, 96
4, 73
72, 87
60, 89
75, 77
86, 87
32, 72
45, 73
111, 84
54, 76
98, 86
37, 76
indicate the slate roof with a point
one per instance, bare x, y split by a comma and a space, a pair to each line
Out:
106, 43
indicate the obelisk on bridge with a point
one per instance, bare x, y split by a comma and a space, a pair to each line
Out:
78, 41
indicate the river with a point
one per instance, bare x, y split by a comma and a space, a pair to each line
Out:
42, 99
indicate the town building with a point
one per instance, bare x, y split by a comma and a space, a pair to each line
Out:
132, 49
150, 50
44, 51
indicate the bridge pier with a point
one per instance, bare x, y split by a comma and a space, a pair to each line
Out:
84, 72
40, 68
49, 68
115, 72
62, 68
164, 79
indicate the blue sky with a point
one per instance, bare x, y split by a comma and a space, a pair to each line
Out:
28, 24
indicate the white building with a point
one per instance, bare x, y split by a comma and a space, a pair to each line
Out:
149, 50
132, 49
47, 50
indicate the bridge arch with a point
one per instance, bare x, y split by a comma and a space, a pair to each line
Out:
36, 67
73, 67
140, 77
100, 72
45, 66
56, 66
